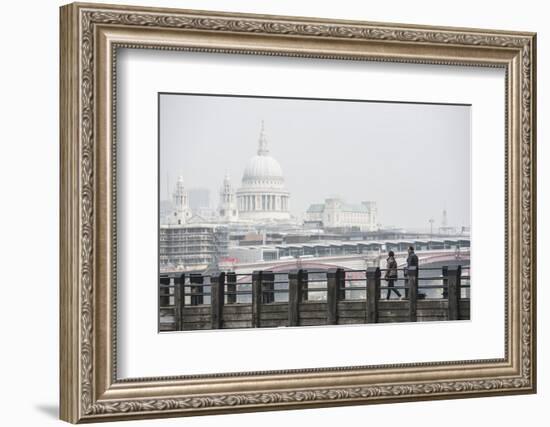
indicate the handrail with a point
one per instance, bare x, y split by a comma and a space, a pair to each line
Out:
350, 270
207, 285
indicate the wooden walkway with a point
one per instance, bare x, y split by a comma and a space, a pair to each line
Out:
196, 302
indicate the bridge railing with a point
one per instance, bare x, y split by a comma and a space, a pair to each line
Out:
331, 287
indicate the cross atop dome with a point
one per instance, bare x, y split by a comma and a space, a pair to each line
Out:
262, 142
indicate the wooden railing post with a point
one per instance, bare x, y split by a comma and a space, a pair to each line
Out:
268, 279
342, 286
256, 298
335, 280
163, 296
454, 291
217, 294
412, 286
197, 280
445, 274
293, 297
179, 282
231, 280
373, 293
164, 290
303, 277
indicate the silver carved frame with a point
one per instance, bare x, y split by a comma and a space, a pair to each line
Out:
90, 36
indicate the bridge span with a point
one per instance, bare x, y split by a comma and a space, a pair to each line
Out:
353, 262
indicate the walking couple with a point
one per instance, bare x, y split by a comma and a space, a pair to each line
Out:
391, 270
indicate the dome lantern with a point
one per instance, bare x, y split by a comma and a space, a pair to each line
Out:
262, 143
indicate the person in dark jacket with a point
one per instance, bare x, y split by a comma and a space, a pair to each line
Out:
412, 261
391, 274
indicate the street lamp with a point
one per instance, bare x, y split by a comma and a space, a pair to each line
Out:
431, 221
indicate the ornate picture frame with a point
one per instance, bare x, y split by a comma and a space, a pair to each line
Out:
90, 387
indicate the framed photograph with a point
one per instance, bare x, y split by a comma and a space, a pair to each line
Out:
267, 212
273, 250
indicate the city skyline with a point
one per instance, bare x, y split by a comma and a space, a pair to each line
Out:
437, 220
424, 140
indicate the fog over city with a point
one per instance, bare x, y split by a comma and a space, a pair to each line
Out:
413, 160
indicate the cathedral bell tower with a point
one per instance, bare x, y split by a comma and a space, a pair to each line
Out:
227, 209
181, 203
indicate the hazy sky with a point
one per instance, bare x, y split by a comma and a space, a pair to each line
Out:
412, 159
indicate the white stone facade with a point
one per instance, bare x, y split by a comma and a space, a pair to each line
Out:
334, 213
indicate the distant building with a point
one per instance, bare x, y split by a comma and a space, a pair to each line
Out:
265, 238
335, 213
191, 247
361, 250
252, 254
445, 228
250, 236
262, 196
227, 209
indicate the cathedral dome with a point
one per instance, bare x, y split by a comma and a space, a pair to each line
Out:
262, 195
263, 168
